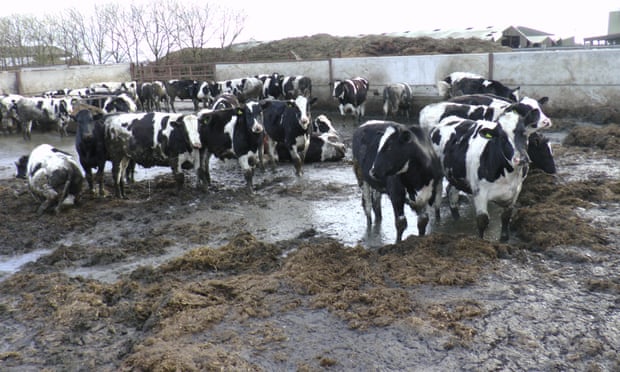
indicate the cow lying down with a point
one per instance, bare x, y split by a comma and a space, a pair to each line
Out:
52, 176
325, 143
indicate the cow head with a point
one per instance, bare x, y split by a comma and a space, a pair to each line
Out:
253, 116
507, 145
300, 107
540, 153
322, 124
532, 113
189, 123
85, 120
22, 165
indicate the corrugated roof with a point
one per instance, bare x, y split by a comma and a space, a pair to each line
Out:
486, 33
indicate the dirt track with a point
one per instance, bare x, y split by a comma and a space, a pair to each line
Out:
196, 290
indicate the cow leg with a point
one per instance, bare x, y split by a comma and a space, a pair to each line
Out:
453, 200
271, 149
60, 198
50, 196
99, 177
118, 168
172, 104
89, 178
482, 214
296, 160
248, 171
506, 216
203, 170
398, 196
27, 130
368, 203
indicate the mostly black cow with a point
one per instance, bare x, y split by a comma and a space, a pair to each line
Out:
287, 122
52, 176
272, 85
183, 89
486, 160
90, 145
390, 158
461, 83
232, 133
152, 139
397, 99
351, 95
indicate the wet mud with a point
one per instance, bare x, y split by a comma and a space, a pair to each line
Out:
220, 279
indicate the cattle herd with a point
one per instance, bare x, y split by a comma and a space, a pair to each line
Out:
481, 138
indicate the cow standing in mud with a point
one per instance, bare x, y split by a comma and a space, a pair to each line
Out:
390, 158
288, 123
485, 159
232, 131
152, 139
351, 95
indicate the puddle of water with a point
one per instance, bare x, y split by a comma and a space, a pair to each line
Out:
11, 264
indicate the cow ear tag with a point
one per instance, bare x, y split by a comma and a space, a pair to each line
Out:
239, 112
487, 134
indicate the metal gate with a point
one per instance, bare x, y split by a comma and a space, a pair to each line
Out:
196, 71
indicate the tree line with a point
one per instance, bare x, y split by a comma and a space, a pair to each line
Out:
115, 33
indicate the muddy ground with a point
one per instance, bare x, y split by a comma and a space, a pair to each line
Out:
173, 282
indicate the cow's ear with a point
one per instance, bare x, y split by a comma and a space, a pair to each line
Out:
543, 100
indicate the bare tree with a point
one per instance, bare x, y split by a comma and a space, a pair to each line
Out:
194, 27
231, 25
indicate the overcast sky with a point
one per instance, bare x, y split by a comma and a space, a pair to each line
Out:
271, 20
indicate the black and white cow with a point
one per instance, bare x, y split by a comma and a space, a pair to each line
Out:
486, 160
529, 108
90, 145
152, 139
119, 103
460, 83
248, 88
351, 95
393, 159
272, 85
234, 132
397, 98
55, 111
160, 95
183, 89
9, 119
293, 86
288, 122
325, 143
539, 151
146, 96
226, 100
52, 176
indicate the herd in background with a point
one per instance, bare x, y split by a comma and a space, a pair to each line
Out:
482, 139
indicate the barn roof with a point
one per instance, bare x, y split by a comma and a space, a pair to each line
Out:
493, 33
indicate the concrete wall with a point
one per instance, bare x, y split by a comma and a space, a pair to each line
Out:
32, 81
572, 79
